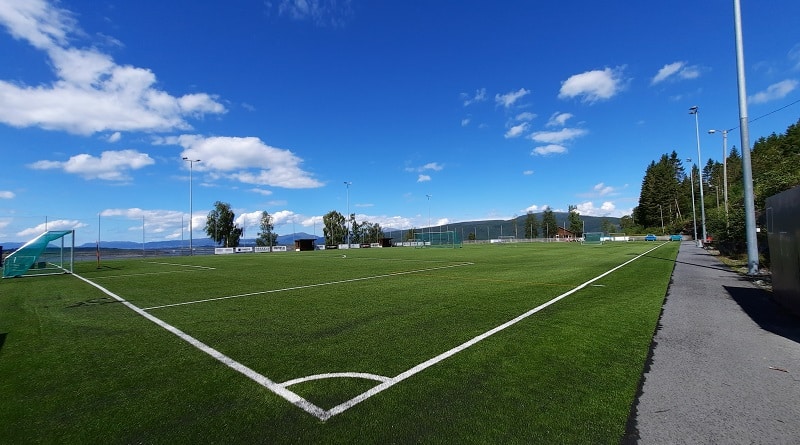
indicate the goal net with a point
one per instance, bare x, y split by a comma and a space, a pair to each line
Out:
618, 237
44, 255
437, 239
593, 238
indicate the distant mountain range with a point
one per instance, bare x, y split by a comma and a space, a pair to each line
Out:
484, 230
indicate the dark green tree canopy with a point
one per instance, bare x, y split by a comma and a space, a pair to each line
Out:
266, 235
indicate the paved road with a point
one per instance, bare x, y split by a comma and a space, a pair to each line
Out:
725, 367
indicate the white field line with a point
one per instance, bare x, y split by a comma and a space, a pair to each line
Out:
308, 286
295, 399
333, 375
105, 277
424, 365
182, 265
231, 363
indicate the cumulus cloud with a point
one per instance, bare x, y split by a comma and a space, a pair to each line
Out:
469, 99
510, 98
675, 70
551, 149
434, 166
558, 137
110, 166
607, 208
58, 224
423, 178
5, 194
516, 130
115, 137
558, 119
91, 93
774, 92
593, 86
247, 160
525, 116
602, 189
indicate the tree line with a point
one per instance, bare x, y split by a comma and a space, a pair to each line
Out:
669, 191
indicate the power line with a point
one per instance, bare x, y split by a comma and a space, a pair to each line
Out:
765, 115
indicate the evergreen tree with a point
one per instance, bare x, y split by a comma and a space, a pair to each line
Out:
549, 223
531, 226
575, 222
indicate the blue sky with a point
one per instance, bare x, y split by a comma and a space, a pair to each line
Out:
491, 108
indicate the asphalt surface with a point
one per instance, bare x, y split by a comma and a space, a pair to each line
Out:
725, 366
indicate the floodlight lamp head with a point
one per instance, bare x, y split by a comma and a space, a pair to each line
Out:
712, 131
693, 110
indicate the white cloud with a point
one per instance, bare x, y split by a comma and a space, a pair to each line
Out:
423, 178
603, 189
533, 208
558, 119
246, 159
435, 166
593, 85
5, 194
794, 56
607, 208
58, 224
465, 122
91, 93
261, 191
558, 137
525, 116
110, 166
774, 92
516, 130
679, 70
527, 172
334, 13
479, 96
115, 137
509, 99
549, 150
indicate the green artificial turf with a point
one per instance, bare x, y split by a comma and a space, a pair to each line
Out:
78, 366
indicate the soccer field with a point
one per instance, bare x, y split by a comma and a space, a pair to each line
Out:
512, 343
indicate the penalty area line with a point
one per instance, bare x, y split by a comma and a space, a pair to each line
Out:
433, 361
307, 286
262, 380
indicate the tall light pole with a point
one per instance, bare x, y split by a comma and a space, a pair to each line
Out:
191, 167
429, 215
744, 134
348, 184
724, 168
661, 212
694, 214
693, 110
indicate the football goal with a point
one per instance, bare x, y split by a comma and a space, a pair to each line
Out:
437, 239
618, 237
43, 255
593, 238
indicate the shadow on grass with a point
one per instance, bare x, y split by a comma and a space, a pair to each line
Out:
2, 339
765, 312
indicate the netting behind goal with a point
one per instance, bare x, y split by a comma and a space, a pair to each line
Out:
437, 239
593, 238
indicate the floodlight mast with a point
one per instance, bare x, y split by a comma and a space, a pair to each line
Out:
691, 181
693, 110
429, 214
724, 168
347, 237
191, 167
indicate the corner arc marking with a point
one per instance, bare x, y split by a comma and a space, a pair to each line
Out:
333, 375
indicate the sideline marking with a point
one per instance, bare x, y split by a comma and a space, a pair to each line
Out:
308, 286
316, 411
